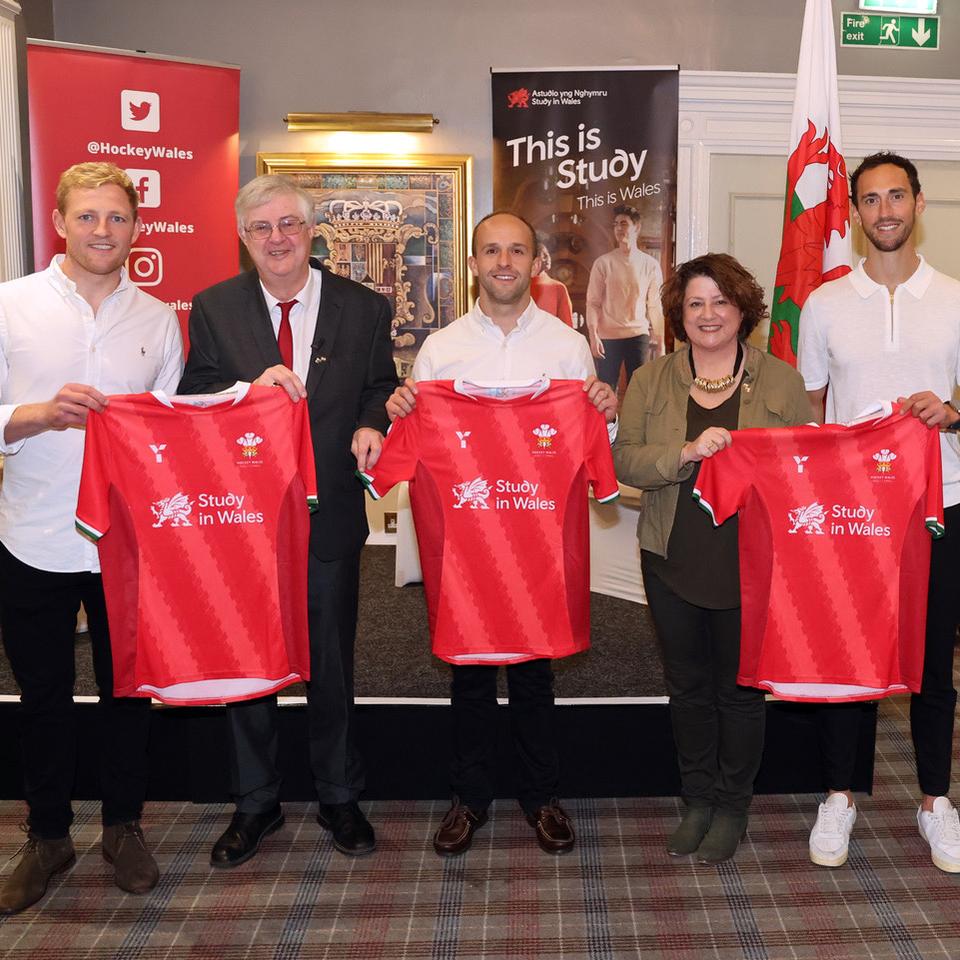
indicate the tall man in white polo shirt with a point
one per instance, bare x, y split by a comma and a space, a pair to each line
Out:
891, 328
69, 336
505, 337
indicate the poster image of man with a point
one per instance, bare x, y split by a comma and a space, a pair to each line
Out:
624, 317
589, 158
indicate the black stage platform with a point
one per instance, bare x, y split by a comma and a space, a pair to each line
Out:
613, 721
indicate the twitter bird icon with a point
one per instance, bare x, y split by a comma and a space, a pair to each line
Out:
140, 110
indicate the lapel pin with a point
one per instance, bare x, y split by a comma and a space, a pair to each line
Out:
319, 360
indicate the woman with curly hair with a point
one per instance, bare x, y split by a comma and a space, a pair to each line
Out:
678, 411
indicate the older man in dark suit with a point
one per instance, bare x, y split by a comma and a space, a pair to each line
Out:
326, 341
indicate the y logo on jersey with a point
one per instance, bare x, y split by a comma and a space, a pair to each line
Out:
544, 434
250, 443
158, 449
462, 437
174, 510
800, 461
472, 494
808, 519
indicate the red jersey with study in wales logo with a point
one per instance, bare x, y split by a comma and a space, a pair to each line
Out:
835, 525
498, 483
199, 506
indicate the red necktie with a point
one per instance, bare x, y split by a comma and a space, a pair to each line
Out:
285, 334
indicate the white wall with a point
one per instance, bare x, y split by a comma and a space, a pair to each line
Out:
422, 56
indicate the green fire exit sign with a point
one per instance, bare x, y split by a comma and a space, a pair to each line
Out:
889, 30
900, 6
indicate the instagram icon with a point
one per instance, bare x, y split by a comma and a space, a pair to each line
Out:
145, 266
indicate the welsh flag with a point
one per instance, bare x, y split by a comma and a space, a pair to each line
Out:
816, 217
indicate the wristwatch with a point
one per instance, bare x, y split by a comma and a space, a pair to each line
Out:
956, 424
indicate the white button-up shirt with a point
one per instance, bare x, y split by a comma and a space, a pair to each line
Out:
50, 336
303, 320
473, 347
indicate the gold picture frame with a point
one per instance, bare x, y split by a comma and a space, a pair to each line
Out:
397, 224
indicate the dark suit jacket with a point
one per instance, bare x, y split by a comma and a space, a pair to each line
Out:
351, 376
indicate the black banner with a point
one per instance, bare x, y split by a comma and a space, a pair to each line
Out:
572, 146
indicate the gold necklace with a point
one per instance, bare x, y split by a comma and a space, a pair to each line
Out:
721, 383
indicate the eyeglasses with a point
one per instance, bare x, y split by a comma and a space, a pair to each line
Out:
288, 226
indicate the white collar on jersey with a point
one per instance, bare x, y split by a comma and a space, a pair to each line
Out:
502, 389
235, 394
877, 410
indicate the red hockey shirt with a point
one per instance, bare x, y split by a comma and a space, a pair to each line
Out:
199, 508
834, 553
498, 482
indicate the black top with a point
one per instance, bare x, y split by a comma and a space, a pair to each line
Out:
702, 563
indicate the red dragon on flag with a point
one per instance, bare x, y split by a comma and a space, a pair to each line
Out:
816, 222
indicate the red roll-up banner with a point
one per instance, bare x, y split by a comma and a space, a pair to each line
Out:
173, 125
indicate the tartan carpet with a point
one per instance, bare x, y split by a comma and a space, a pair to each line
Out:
618, 895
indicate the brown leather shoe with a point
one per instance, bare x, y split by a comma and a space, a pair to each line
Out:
40, 860
455, 833
554, 828
134, 869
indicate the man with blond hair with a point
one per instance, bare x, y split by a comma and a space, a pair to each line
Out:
69, 336
324, 339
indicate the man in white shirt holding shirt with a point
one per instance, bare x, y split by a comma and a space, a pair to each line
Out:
505, 337
69, 336
890, 329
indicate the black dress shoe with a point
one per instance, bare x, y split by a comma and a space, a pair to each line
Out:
352, 833
241, 840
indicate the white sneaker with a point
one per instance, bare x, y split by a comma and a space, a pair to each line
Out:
830, 836
941, 829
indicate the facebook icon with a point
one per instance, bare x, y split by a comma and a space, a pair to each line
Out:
147, 185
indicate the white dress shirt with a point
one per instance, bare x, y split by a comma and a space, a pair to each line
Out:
473, 347
303, 320
49, 336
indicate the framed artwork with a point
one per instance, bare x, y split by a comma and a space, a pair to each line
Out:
397, 224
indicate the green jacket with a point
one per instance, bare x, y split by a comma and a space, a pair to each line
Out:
653, 428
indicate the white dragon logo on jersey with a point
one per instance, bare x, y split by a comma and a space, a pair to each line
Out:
176, 510
472, 493
808, 519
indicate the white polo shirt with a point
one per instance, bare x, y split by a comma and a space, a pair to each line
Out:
870, 346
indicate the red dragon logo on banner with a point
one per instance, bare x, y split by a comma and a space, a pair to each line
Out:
519, 98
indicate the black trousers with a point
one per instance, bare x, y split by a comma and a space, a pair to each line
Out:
931, 710
332, 593
38, 616
628, 353
473, 691
717, 725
